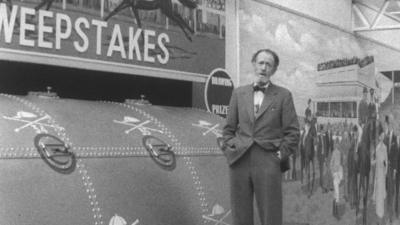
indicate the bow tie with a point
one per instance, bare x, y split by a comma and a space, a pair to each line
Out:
259, 87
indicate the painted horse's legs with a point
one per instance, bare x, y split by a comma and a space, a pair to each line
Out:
365, 207
313, 178
359, 185
49, 3
124, 4
181, 23
301, 166
44, 2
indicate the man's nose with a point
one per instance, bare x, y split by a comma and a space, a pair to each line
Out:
264, 66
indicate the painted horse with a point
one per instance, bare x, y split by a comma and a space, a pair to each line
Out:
48, 4
307, 152
366, 144
165, 6
9, 3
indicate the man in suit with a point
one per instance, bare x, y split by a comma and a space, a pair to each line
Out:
352, 167
321, 156
329, 140
308, 112
363, 108
390, 141
397, 177
261, 131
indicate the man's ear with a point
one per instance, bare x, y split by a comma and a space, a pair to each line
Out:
274, 71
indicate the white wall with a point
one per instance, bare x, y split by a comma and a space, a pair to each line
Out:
232, 40
301, 43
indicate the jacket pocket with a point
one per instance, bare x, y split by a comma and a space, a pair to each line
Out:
232, 143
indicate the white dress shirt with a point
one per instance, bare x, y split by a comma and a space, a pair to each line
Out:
258, 98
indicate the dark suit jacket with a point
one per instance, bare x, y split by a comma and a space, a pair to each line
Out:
321, 147
392, 150
329, 143
274, 128
363, 112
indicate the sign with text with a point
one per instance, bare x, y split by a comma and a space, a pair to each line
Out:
76, 32
218, 91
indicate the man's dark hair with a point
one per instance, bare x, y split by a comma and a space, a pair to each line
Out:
274, 55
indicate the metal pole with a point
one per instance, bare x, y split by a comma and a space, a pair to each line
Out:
393, 88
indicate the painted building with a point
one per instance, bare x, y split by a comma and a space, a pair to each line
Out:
340, 88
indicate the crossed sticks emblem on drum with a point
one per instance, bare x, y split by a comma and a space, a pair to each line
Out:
209, 128
39, 124
217, 211
136, 124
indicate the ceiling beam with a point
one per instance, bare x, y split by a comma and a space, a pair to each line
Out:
395, 18
380, 14
360, 15
380, 28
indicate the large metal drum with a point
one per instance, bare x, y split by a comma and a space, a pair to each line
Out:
65, 161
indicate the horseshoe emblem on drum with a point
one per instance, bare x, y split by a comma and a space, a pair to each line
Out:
209, 127
55, 153
160, 152
218, 212
39, 124
136, 124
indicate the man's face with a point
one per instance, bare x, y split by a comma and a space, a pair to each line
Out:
264, 67
365, 96
382, 136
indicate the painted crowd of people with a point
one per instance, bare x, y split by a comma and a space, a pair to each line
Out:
359, 162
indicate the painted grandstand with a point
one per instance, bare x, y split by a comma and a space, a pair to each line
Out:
340, 86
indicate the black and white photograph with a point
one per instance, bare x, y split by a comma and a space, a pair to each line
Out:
200, 112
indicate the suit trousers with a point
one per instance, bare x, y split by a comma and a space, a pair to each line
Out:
256, 174
397, 190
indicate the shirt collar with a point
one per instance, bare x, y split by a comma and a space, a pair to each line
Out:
265, 86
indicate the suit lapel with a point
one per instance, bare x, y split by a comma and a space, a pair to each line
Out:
249, 101
269, 94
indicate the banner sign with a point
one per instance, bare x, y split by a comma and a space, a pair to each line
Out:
218, 91
345, 62
77, 32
